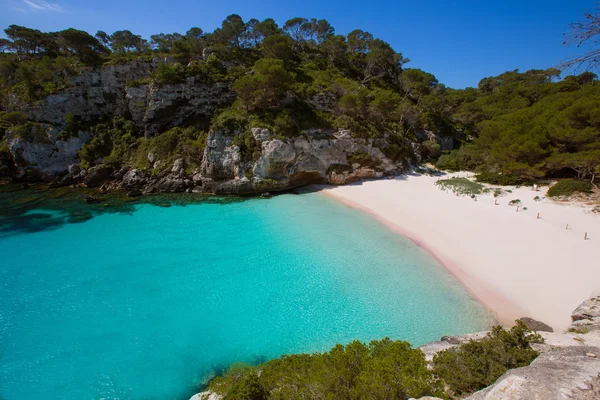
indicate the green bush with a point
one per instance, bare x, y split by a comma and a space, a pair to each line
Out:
497, 179
447, 162
383, 369
478, 364
461, 186
568, 187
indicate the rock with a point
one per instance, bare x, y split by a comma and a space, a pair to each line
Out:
207, 396
134, 193
586, 317
97, 176
563, 373
43, 150
534, 325
171, 184
178, 166
587, 310
90, 199
74, 169
151, 158
260, 134
221, 160
92, 95
265, 195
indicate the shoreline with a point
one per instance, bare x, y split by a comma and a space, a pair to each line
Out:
485, 296
515, 266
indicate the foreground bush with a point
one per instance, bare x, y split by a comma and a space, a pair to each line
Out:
476, 365
384, 369
568, 187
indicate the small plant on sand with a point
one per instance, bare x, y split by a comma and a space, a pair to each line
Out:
498, 192
514, 202
596, 210
461, 186
581, 331
537, 198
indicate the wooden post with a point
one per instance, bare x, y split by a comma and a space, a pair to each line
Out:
517, 208
585, 236
538, 216
567, 227
495, 202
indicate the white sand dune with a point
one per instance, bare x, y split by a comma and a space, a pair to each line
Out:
513, 262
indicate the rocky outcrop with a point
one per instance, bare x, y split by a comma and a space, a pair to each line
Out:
535, 325
314, 157
563, 373
44, 150
95, 93
158, 108
115, 90
586, 317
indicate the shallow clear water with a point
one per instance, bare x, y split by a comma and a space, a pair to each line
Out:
149, 304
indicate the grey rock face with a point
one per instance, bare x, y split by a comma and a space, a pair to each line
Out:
95, 93
44, 151
535, 325
171, 105
564, 373
586, 317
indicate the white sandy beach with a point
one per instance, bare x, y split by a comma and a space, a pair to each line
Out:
513, 262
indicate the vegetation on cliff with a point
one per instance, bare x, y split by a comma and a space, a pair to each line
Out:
513, 128
384, 369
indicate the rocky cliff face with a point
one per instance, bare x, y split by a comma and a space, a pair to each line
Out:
225, 167
280, 164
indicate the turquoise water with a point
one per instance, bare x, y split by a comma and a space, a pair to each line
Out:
150, 303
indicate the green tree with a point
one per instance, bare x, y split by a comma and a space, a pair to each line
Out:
267, 87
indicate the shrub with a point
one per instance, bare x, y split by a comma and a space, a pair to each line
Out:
537, 198
432, 149
383, 369
478, 364
514, 202
568, 187
461, 186
497, 179
447, 162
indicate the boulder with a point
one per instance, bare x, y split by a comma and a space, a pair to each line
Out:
586, 317
171, 184
587, 310
97, 176
133, 179
260, 134
535, 325
206, 396
563, 373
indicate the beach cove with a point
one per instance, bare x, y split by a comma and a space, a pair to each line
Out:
531, 262
152, 298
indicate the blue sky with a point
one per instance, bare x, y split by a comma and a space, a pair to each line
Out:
460, 42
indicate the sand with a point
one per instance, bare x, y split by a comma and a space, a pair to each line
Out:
513, 262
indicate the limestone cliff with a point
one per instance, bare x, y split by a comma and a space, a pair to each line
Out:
50, 148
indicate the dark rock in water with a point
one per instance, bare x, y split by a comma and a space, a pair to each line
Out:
535, 325
91, 199
265, 195
134, 193
97, 176
66, 180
